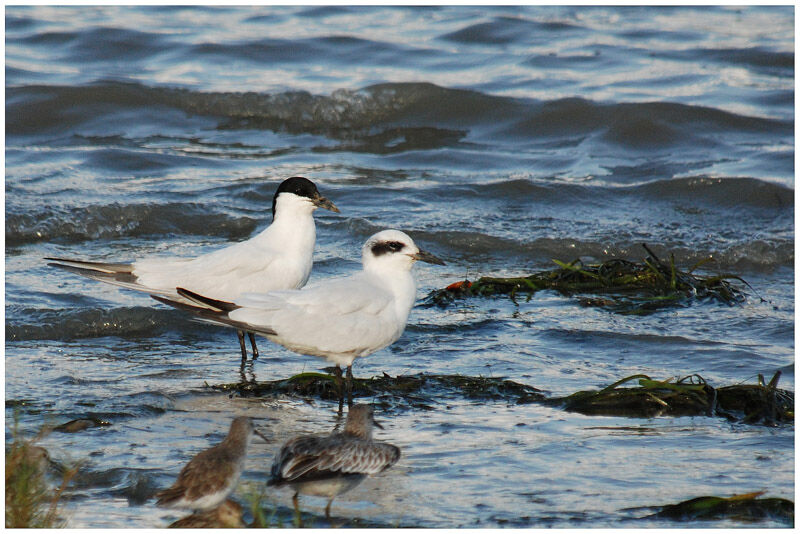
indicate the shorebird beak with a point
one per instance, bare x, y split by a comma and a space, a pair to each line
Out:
374, 422
260, 435
427, 257
322, 202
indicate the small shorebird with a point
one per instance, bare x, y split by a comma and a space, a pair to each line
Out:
327, 466
207, 480
226, 515
279, 257
339, 320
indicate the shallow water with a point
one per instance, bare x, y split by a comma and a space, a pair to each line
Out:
500, 139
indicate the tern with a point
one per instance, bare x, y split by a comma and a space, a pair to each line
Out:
279, 257
341, 319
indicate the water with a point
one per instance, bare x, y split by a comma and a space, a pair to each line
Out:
500, 139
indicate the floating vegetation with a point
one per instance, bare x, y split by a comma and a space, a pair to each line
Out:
691, 395
624, 286
746, 507
752, 404
78, 425
416, 391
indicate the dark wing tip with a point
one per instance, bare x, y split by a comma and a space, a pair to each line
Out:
220, 305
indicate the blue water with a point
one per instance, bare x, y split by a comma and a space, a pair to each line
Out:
500, 139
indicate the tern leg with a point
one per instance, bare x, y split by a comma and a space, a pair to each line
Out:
337, 374
253, 343
240, 334
349, 385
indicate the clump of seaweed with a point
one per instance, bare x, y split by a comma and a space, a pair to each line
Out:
416, 391
690, 395
31, 502
626, 287
745, 507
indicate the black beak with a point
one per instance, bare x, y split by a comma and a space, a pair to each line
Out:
322, 202
427, 257
260, 435
374, 422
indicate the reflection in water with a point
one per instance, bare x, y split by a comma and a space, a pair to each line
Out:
226, 515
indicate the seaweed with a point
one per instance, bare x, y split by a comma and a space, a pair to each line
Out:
626, 287
691, 395
745, 507
415, 391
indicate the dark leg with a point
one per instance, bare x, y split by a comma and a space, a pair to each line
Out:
298, 519
253, 343
338, 378
241, 344
328, 510
349, 386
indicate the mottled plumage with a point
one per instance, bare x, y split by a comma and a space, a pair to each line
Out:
327, 466
207, 480
280, 257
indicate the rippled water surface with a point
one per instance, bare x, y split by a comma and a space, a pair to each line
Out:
500, 139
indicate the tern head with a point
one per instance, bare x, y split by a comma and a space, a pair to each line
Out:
299, 194
394, 249
360, 421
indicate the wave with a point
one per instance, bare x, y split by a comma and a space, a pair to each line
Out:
77, 323
69, 225
416, 111
759, 255
704, 190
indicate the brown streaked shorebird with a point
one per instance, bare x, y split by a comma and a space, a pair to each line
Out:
207, 480
226, 515
327, 466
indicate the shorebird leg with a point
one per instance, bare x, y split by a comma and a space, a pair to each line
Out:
253, 343
349, 377
298, 519
328, 510
337, 374
240, 334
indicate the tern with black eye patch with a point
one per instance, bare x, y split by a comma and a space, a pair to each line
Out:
338, 320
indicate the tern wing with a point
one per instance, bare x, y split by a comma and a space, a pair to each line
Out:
118, 274
347, 316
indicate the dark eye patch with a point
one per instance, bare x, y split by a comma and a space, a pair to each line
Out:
379, 249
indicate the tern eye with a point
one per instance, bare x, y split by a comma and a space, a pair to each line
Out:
379, 249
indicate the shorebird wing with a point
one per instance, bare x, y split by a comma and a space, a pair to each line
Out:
315, 458
206, 474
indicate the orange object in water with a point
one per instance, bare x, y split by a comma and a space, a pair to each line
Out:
459, 286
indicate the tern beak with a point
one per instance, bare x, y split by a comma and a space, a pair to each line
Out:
427, 257
324, 203
260, 435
